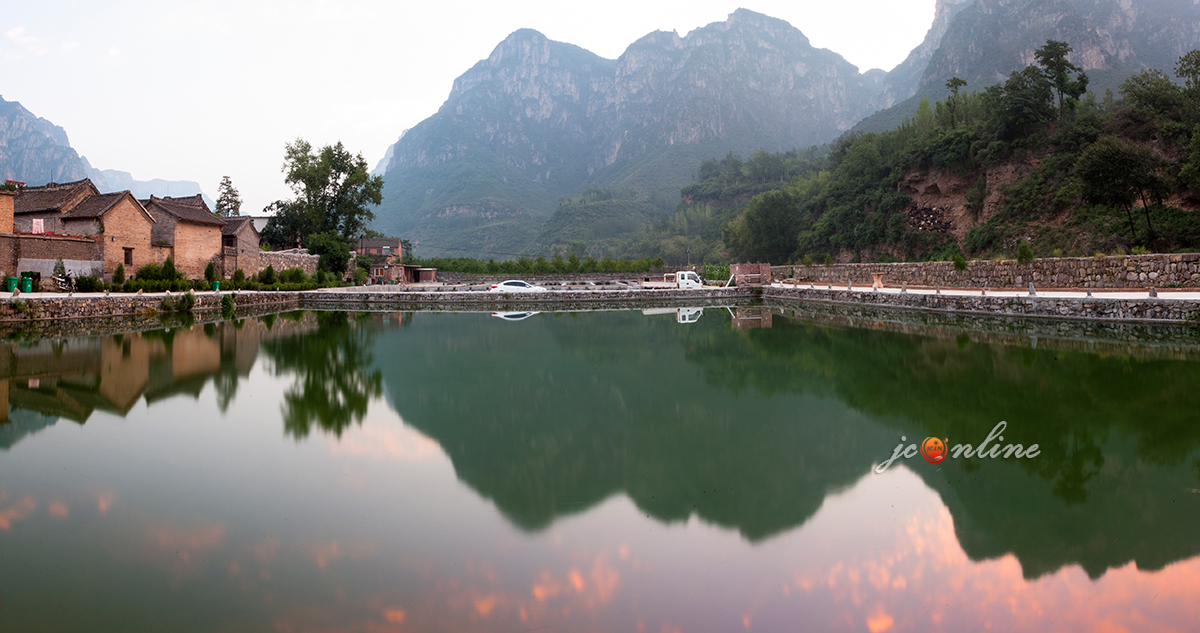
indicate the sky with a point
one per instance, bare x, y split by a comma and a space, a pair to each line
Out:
200, 90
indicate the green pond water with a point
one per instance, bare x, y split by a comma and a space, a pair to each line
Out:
592, 471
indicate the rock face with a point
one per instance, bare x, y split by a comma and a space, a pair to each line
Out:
988, 39
903, 80
539, 119
34, 150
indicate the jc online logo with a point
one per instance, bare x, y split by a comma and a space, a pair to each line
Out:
935, 450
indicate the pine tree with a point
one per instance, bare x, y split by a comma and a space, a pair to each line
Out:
229, 204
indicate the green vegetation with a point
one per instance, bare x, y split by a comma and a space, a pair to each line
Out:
118, 277
333, 191
229, 203
182, 303
557, 265
1083, 167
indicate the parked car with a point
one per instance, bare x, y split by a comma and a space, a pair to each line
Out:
516, 285
514, 316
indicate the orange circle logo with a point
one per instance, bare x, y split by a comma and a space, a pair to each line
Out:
933, 450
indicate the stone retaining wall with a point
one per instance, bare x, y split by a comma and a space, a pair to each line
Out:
502, 299
464, 278
34, 308
282, 260
1129, 310
1133, 271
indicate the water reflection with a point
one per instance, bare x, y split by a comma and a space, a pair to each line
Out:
639, 456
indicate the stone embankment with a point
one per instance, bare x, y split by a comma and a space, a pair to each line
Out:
1138, 310
51, 306
1133, 271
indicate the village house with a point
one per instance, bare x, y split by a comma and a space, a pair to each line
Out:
187, 231
121, 224
385, 246
239, 246
40, 209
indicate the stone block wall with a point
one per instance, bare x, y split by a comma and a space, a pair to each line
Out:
283, 260
1133, 271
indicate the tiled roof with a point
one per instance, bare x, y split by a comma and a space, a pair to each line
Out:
235, 224
95, 206
190, 209
51, 196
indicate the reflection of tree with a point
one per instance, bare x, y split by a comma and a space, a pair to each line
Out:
333, 384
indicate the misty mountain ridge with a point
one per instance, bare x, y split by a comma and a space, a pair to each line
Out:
538, 120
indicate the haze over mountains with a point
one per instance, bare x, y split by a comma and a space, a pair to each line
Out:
36, 151
540, 119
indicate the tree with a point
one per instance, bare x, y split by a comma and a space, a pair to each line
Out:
1052, 57
1116, 174
408, 253
1024, 101
333, 249
333, 192
953, 85
1154, 92
229, 203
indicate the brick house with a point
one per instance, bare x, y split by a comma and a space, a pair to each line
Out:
48, 203
386, 246
187, 231
239, 246
120, 223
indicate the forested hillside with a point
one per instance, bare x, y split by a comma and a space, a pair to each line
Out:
1034, 159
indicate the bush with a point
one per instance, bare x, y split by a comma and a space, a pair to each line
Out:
168, 270
88, 283
182, 303
960, 264
118, 277
60, 269
360, 276
828, 259
150, 272
210, 273
239, 277
807, 261
267, 276
293, 276
1024, 253
227, 305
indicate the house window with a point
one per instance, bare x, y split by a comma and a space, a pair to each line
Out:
128, 256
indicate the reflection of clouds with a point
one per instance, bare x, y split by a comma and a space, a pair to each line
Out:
184, 548
383, 442
16, 511
58, 509
104, 501
327, 553
925, 581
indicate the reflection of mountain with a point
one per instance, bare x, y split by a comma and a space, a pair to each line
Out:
753, 429
72, 378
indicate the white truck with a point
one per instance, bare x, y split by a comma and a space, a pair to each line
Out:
679, 280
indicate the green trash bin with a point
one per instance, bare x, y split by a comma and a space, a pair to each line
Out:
27, 284
216, 285
11, 284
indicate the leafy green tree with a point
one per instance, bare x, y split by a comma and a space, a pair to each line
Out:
333, 192
1052, 57
767, 229
210, 272
333, 249
119, 275
953, 85
1116, 174
1153, 91
1024, 101
408, 253
229, 203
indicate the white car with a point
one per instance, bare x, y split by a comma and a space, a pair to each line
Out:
514, 285
514, 316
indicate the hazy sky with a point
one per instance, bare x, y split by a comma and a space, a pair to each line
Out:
198, 90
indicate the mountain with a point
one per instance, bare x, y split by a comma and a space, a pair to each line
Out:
34, 150
903, 80
111, 180
540, 119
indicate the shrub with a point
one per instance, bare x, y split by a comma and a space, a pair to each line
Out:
360, 276
1024, 253
807, 261
828, 259
267, 276
182, 303
227, 305
210, 273
150, 272
168, 270
60, 269
960, 264
239, 276
1141, 250
88, 283
118, 277
293, 276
